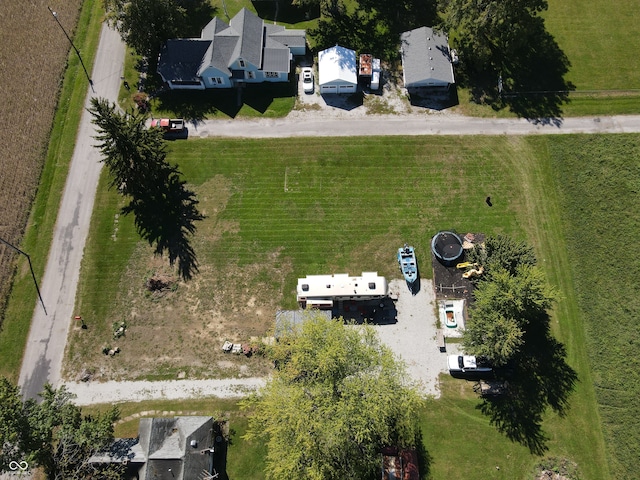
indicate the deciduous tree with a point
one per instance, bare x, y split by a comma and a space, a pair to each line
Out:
145, 24
53, 434
336, 398
506, 306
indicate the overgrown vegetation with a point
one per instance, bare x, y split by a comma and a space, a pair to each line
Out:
598, 178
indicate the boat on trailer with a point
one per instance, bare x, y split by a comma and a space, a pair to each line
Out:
408, 264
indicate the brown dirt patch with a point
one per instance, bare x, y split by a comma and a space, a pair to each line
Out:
448, 281
181, 329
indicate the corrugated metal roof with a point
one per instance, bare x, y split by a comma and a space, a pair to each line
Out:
337, 64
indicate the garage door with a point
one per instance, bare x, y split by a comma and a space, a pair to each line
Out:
346, 89
329, 89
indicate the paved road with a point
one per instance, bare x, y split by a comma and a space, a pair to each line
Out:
42, 359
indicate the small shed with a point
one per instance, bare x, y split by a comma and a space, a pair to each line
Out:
426, 59
337, 70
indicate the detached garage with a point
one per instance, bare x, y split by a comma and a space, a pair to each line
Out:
337, 70
426, 59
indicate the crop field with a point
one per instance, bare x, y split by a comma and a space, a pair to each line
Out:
32, 65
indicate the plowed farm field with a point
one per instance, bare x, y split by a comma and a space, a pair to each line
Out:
33, 51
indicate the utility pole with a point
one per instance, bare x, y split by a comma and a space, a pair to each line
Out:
55, 16
31, 267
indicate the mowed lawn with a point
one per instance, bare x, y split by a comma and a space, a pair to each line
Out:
600, 38
280, 209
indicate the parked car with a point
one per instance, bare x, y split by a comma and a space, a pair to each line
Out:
172, 125
307, 80
469, 367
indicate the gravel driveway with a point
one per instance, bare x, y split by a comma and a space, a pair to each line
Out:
413, 337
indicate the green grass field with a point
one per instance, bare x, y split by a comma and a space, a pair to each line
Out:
344, 206
598, 179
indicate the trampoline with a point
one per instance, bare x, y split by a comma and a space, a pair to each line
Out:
447, 247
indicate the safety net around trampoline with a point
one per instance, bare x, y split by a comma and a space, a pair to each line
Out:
447, 246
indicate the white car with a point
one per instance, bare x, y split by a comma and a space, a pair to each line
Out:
468, 366
307, 80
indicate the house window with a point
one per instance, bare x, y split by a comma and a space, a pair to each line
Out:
217, 80
242, 64
271, 74
251, 75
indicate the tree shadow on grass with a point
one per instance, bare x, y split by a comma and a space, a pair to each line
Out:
424, 457
434, 98
287, 12
198, 14
165, 213
530, 81
538, 378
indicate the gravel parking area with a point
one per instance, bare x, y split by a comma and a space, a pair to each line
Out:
413, 336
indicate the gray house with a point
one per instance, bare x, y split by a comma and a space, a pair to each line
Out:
426, 59
245, 51
179, 448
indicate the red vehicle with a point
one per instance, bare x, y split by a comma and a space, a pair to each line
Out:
168, 124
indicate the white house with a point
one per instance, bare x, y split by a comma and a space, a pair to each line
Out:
320, 291
245, 51
426, 59
337, 70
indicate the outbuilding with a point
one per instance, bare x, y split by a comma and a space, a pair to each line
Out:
337, 71
426, 59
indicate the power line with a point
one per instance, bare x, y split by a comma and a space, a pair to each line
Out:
31, 267
55, 16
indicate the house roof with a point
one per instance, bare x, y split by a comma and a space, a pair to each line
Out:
180, 59
337, 64
425, 58
176, 448
167, 444
275, 60
249, 28
221, 44
283, 36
